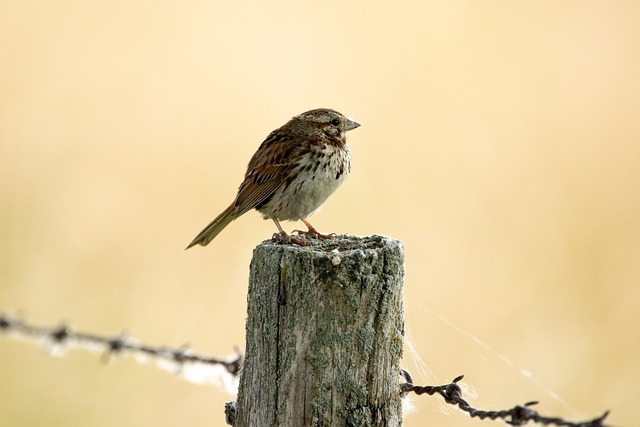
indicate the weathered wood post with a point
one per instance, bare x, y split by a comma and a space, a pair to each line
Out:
324, 335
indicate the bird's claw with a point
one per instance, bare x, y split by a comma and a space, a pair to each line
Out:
285, 238
315, 234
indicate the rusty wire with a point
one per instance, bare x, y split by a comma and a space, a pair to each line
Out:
517, 416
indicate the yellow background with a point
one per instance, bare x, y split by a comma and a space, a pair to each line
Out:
500, 141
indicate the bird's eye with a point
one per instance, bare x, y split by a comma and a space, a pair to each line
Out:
335, 122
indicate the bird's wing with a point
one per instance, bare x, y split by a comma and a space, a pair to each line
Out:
253, 194
268, 169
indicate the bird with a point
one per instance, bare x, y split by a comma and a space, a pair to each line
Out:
292, 173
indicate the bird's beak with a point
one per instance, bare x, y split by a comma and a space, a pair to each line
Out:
351, 124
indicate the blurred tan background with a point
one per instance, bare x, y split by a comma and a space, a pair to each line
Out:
500, 141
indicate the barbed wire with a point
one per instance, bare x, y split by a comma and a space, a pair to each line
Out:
201, 369
193, 367
517, 416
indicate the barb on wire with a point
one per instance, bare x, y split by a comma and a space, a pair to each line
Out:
193, 367
517, 416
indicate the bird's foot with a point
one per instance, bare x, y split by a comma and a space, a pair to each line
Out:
283, 237
315, 234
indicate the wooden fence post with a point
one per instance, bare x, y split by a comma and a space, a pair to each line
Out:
324, 335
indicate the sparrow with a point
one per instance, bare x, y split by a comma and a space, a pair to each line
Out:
292, 174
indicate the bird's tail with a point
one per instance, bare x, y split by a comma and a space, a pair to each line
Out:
210, 231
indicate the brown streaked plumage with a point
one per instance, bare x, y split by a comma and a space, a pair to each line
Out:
292, 174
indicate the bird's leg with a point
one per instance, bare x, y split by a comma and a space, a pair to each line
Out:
312, 232
282, 236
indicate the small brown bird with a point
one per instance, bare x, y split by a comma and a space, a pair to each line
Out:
292, 174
